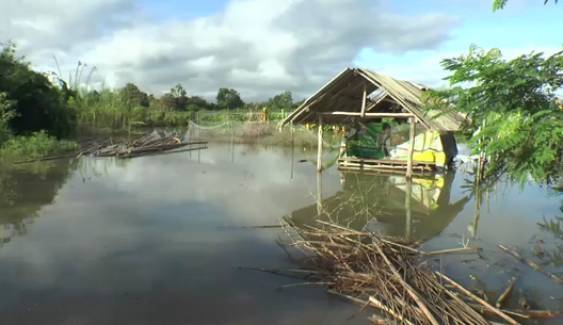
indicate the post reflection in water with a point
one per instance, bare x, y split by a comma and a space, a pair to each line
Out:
419, 209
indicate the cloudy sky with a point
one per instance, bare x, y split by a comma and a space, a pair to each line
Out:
263, 47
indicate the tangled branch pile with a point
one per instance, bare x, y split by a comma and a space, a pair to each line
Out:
393, 278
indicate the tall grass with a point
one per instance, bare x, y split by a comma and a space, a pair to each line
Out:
106, 110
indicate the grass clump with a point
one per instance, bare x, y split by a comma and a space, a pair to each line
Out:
35, 146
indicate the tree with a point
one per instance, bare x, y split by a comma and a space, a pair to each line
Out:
499, 4
229, 99
515, 119
281, 101
196, 103
133, 96
179, 93
175, 100
37, 103
168, 102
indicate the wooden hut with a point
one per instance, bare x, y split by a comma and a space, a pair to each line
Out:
363, 96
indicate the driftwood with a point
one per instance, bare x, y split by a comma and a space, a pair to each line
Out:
531, 264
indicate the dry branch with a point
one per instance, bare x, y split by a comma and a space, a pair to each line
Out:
388, 276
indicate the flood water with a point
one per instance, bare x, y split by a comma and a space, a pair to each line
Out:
160, 239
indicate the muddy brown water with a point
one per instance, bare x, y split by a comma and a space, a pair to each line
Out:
159, 239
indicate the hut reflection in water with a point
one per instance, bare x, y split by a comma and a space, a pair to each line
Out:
391, 205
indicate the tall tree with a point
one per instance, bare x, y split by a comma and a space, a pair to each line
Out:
180, 94
515, 117
228, 98
281, 101
133, 96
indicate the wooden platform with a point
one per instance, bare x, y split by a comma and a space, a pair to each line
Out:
385, 165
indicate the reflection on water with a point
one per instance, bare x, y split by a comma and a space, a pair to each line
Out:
21, 196
419, 209
158, 239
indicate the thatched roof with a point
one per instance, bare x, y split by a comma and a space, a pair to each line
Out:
344, 93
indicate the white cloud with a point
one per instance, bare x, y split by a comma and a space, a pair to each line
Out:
255, 46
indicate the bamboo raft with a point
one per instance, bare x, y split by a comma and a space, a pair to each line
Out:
139, 148
386, 165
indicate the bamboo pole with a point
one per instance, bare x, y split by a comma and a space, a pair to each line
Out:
365, 114
319, 193
410, 291
343, 145
479, 300
320, 145
364, 99
408, 210
292, 149
411, 147
506, 292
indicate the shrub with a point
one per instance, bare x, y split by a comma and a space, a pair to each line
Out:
34, 146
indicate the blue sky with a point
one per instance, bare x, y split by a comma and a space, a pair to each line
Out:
523, 26
263, 47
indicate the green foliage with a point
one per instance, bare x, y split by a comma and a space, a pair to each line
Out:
6, 114
499, 4
178, 91
513, 109
34, 146
132, 96
229, 99
37, 103
196, 103
177, 100
281, 101
168, 102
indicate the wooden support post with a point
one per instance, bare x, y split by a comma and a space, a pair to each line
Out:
364, 100
319, 193
292, 149
343, 145
408, 209
320, 145
411, 146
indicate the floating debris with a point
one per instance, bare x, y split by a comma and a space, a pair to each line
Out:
393, 277
152, 143
155, 142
